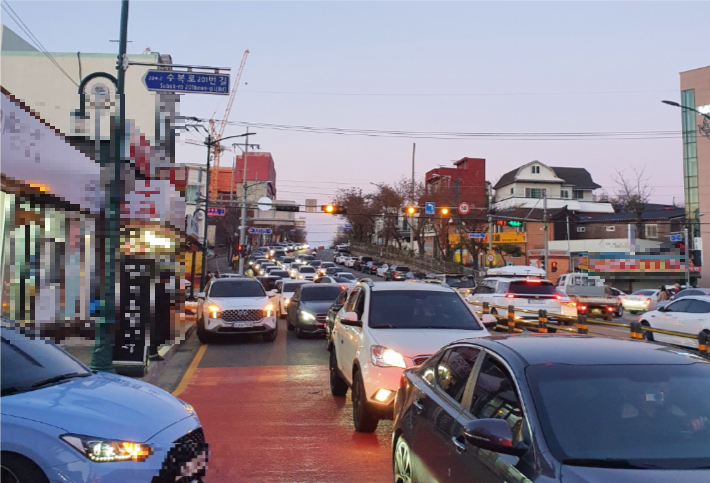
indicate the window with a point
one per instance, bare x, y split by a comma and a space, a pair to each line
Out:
428, 369
577, 194
454, 370
564, 194
536, 169
699, 307
535, 192
651, 231
512, 191
415, 309
352, 300
327, 293
237, 288
486, 286
581, 229
611, 228
191, 193
682, 305
494, 396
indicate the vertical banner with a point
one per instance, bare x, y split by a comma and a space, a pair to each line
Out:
135, 311
632, 239
211, 235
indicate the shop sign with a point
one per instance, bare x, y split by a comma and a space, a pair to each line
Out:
136, 278
155, 200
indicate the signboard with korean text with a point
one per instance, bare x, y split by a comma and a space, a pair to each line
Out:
186, 82
155, 200
513, 237
213, 211
211, 235
135, 312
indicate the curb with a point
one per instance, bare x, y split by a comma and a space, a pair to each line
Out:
155, 367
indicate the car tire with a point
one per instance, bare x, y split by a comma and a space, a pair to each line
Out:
363, 419
633, 312
15, 468
270, 336
338, 386
646, 334
402, 462
203, 334
620, 311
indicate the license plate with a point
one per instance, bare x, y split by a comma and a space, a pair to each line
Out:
242, 325
320, 325
539, 302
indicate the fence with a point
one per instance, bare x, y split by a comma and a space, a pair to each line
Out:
399, 257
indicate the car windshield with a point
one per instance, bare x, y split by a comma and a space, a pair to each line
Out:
28, 363
347, 276
342, 280
459, 282
323, 293
288, 260
327, 265
629, 416
401, 269
237, 288
420, 309
307, 269
307, 258
532, 288
290, 287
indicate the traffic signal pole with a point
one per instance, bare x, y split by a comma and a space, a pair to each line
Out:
243, 221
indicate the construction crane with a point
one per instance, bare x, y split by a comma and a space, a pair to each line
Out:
216, 136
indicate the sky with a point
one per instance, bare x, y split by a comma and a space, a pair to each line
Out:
484, 67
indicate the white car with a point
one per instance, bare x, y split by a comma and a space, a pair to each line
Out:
340, 258
284, 294
350, 262
382, 269
640, 301
306, 272
384, 328
235, 306
528, 293
690, 315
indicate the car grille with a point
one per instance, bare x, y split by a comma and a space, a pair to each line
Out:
419, 360
243, 315
321, 318
183, 451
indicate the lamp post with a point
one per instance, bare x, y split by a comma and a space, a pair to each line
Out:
676, 104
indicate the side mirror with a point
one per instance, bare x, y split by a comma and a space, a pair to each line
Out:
494, 435
351, 319
201, 295
489, 320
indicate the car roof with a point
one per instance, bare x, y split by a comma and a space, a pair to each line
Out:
233, 279
587, 350
517, 279
704, 298
392, 286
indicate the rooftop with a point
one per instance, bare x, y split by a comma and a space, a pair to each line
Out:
578, 177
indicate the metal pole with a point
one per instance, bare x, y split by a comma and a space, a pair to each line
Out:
243, 221
490, 225
569, 249
544, 211
231, 184
411, 221
102, 357
203, 272
687, 260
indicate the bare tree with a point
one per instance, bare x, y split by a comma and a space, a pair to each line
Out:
360, 213
632, 195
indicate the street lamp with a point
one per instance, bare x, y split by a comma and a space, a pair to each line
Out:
675, 104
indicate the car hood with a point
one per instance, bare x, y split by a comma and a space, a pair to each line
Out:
416, 342
316, 306
227, 303
581, 474
102, 405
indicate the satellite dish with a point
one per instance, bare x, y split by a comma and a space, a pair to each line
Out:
265, 203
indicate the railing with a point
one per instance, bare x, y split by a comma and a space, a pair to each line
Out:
514, 324
402, 258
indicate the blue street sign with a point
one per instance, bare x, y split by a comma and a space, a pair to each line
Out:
429, 208
676, 238
260, 231
478, 236
347, 227
216, 211
186, 82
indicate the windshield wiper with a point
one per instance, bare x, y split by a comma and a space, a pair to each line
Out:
63, 377
610, 463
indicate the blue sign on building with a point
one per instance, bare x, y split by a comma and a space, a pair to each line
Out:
216, 211
429, 208
676, 238
260, 231
347, 227
186, 82
478, 236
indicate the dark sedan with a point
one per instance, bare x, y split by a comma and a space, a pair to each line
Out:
554, 408
309, 307
332, 312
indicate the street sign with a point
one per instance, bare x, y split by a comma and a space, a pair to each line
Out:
265, 203
464, 208
347, 227
490, 257
216, 211
513, 237
477, 236
429, 208
186, 82
260, 231
676, 238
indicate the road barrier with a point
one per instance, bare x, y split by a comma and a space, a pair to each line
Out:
515, 324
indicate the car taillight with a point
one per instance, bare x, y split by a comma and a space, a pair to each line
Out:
558, 297
582, 308
648, 301
403, 380
610, 309
342, 287
510, 296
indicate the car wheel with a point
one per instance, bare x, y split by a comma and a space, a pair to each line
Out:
202, 334
338, 386
363, 419
270, 336
634, 312
620, 311
646, 334
18, 469
402, 462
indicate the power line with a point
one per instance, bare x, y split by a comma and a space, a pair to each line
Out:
461, 94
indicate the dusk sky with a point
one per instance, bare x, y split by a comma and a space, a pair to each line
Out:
503, 67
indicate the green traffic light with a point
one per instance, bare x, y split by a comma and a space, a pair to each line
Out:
515, 223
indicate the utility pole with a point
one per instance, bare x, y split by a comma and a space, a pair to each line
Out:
102, 357
490, 227
544, 215
203, 275
411, 218
687, 259
243, 226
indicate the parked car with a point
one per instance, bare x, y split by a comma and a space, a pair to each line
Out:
384, 328
620, 297
346, 276
359, 261
284, 292
372, 269
641, 301
507, 409
703, 292
382, 269
689, 315
235, 306
63, 422
350, 262
309, 307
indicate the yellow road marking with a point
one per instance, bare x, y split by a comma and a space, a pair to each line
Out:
190, 371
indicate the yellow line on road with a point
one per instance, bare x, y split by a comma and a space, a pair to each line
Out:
190, 371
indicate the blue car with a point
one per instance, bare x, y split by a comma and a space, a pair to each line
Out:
62, 422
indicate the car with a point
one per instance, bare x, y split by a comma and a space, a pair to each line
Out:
278, 252
346, 276
384, 328
325, 279
641, 300
63, 422
231, 275
416, 276
620, 295
367, 267
309, 307
397, 273
360, 261
524, 288
689, 315
304, 259
268, 282
387, 274
315, 263
331, 271
705, 292
349, 262
279, 273
306, 272
264, 268
322, 269
463, 284
507, 409
382, 269
341, 258
235, 306
284, 293
286, 262
258, 263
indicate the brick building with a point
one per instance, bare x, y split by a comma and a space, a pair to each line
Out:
466, 181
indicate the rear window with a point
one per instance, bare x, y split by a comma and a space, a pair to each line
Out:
532, 288
313, 293
307, 258
401, 269
288, 260
237, 288
327, 265
348, 276
366, 259
290, 287
459, 282
279, 273
420, 309
307, 270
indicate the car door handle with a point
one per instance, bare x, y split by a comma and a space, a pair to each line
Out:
460, 447
418, 405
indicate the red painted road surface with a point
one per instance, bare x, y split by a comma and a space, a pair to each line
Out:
281, 424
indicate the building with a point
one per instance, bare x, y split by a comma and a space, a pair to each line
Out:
526, 186
695, 94
261, 178
466, 181
194, 210
300, 223
656, 222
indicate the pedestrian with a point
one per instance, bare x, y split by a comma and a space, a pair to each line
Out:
216, 274
676, 287
209, 277
663, 294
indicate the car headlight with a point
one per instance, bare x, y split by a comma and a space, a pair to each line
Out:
384, 357
287, 301
307, 315
269, 310
300, 277
214, 311
102, 450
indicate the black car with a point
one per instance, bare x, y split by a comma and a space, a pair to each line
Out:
331, 271
269, 282
279, 273
309, 306
332, 312
397, 273
554, 408
360, 262
372, 269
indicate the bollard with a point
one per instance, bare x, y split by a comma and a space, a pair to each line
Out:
582, 324
511, 319
703, 341
636, 331
486, 308
542, 321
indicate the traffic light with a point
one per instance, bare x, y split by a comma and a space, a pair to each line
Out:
333, 209
514, 223
410, 210
292, 208
444, 212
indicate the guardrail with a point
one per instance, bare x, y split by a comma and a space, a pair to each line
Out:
636, 330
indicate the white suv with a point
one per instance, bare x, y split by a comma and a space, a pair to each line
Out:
384, 328
235, 306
